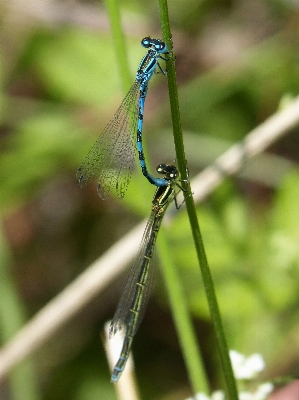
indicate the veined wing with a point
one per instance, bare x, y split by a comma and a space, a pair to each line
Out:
140, 278
111, 159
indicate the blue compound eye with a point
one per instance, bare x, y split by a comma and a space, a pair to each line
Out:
160, 46
146, 42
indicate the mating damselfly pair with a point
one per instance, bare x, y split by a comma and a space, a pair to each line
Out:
111, 161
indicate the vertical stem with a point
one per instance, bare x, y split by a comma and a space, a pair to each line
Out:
22, 380
182, 319
119, 43
197, 238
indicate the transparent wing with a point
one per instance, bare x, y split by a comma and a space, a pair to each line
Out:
123, 314
111, 159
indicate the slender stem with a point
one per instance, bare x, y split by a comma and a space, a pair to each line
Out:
119, 43
173, 93
182, 319
23, 384
201, 255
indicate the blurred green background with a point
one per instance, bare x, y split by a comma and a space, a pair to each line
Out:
236, 61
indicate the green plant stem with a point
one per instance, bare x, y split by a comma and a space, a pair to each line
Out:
22, 378
182, 319
201, 255
119, 44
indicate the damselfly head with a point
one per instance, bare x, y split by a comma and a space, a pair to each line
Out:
155, 44
169, 171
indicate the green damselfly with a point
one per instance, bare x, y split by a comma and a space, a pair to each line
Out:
132, 304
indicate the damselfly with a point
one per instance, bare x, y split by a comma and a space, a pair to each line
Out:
132, 305
111, 159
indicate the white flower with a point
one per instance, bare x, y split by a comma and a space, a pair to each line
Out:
263, 391
245, 396
218, 395
199, 396
246, 368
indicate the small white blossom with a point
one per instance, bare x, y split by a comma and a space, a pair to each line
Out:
246, 368
263, 391
199, 396
245, 396
218, 395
